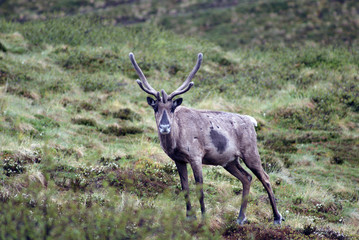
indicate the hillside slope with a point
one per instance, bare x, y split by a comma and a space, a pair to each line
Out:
80, 156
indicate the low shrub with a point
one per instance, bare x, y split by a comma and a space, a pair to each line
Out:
14, 162
261, 231
84, 121
279, 142
117, 130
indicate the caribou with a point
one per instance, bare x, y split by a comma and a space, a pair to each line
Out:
196, 137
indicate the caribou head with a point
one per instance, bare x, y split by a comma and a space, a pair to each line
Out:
164, 106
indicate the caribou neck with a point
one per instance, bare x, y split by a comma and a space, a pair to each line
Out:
168, 141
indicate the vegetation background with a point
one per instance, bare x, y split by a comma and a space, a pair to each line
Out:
79, 152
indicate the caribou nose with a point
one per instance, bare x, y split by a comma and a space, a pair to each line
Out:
165, 128
164, 125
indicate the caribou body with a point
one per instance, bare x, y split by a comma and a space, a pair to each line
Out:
196, 137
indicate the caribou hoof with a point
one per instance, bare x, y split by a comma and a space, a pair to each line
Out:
279, 220
191, 218
241, 221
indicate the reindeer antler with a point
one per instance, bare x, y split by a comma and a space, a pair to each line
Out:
187, 84
145, 86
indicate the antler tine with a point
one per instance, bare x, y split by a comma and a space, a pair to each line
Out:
146, 90
188, 84
193, 72
178, 92
145, 86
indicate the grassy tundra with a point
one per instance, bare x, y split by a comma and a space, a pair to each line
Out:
79, 152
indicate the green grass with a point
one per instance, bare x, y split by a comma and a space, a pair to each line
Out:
80, 157
230, 24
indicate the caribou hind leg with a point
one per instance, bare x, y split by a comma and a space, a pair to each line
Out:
253, 162
236, 170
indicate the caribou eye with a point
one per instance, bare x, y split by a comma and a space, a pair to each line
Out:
153, 103
176, 103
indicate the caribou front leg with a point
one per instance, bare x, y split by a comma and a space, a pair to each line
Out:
198, 176
182, 171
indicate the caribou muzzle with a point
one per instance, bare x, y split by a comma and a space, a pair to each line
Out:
164, 127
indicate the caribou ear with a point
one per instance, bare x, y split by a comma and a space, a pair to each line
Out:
152, 103
176, 103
